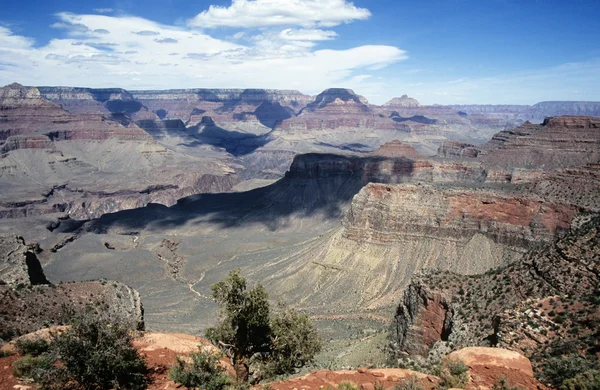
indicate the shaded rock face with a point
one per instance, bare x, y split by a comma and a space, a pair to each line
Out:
422, 319
338, 97
224, 105
19, 265
379, 169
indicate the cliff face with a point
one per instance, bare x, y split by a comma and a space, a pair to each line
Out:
339, 109
537, 306
456, 149
384, 214
24, 111
224, 105
558, 143
535, 113
91, 162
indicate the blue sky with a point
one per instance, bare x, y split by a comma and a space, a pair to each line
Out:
453, 51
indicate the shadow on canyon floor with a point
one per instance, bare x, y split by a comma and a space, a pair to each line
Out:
303, 193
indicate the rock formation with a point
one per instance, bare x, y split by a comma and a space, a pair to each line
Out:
403, 101
456, 149
535, 113
19, 265
396, 149
557, 143
515, 306
23, 111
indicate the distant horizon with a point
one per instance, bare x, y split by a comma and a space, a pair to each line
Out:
307, 94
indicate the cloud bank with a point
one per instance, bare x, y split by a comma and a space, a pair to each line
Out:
261, 13
100, 50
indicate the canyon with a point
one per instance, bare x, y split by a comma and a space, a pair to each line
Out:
369, 218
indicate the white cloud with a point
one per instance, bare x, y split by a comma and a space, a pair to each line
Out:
136, 53
263, 13
307, 35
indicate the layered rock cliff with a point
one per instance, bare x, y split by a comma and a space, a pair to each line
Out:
535, 113
559, 142
24, 111
541, 306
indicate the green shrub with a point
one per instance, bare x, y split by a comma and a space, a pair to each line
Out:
28, 366
452, 373
280, 344
347, 385
204, 372
94, 353
4, 354
587, 380
502, 384
34, 347
558, 371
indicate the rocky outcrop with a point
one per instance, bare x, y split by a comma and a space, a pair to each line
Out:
487, 366
17, 142
397, 149
28, 309
577, 186
486, 369
516, 306
402, 101
456, 149
422, 319
19, 265
385, 213
84, 203
341, 109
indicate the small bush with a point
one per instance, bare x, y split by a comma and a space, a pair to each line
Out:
587, 380
204, 372
34, 347
558, 371
95, 353
28, 366
347, 385
4, 354
502, 384
409, 383
452, 373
